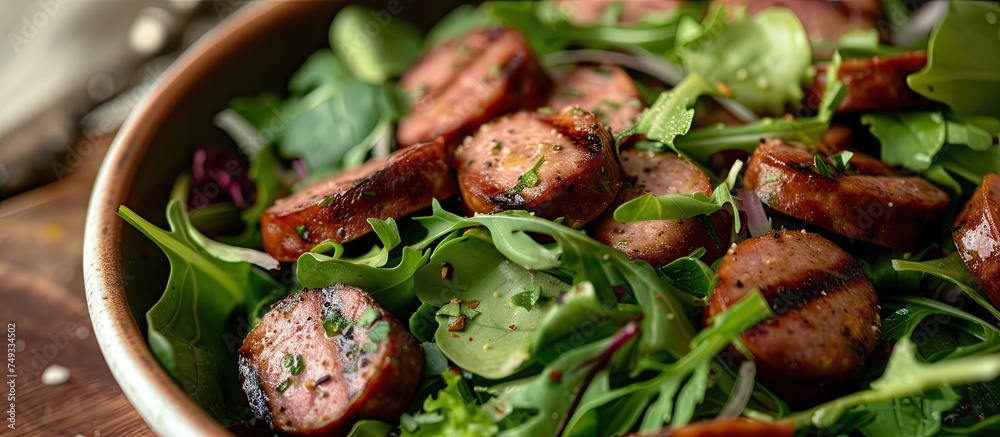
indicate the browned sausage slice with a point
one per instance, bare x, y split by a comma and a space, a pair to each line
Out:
337, 208
977, 235
323, 359
890, 211
826, 312
559, 165
874, 84
659, 241
461, 84
605, 90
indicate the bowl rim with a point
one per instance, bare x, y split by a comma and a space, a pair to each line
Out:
159, 400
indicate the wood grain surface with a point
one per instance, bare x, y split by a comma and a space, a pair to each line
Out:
42, 294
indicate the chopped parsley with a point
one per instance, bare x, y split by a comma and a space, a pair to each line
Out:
528, 179
369, 348
379, 332
367, 317
284, 385
294, 364
335, 324
302, 231
545, 110
576, 111
496, 144
570, 93
368, 193
842, 160
822, 168
494, 71
610, 104
328, 201
607, 188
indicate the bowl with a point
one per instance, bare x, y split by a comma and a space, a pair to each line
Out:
254, 50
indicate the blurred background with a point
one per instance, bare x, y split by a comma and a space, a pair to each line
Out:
70, 73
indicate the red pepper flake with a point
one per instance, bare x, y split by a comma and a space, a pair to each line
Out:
458, 324
447, 271
555, 376
512, 326
470, 338
473, 304
532, 271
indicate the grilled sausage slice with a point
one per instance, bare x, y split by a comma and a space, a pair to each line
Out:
463, 83
659, 241
874, 84
825, 320
337, 208
605, 90
890, 211
977, 235
323, 359
559, 165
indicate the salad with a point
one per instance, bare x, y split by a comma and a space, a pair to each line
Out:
602, 218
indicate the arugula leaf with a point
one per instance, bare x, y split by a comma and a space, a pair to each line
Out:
952, 269
188, 328
682, 205
528, 179
379, 57
763, 60
448, 414
700, 144
577, 317
691, 275
496, 340
392, 287
672, 113
963, 69
910, 139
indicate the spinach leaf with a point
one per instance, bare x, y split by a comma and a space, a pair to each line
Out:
578, 317
952, 269
374, 58
910, 139
963, 64
392, 287
188, 326
496, 341
761, 61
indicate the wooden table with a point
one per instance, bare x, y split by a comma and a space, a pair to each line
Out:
42, 293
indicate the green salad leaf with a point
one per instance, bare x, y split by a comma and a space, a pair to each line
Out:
963, 62
762, 61
188, 326
952, 269
672, 113
374, 58
910, 139
448, 414
495, 339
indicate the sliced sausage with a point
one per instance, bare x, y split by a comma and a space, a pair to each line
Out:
558, 165
825, 320
874, 84
605, 90
337, 208
977, 235
890, 211
823, 20
660, 241
323, 359
463, 83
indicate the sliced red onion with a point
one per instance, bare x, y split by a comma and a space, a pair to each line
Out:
742, 389
301, 171
757, 220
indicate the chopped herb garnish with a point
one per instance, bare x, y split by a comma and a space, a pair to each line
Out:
369, 193
494, 71
369, 348
302, 231
607, 188
367, 317
610, 104
284, 385
496, 144
379, 332
842, 160
545, 110
294, 364
822, 168
527, 299
634, 102
470, 162
351, 368
528, 179
335, 324
570, 93
328, 201
576, 111
557, 147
